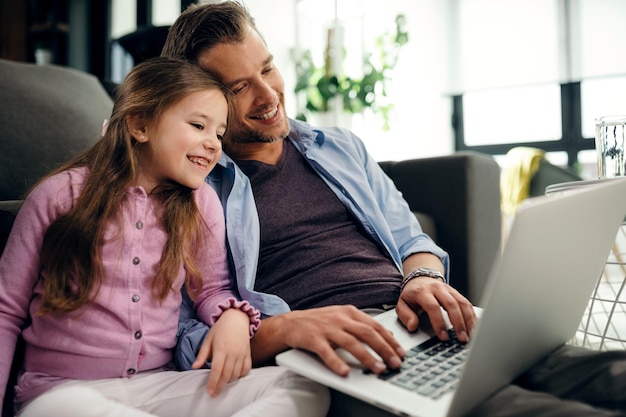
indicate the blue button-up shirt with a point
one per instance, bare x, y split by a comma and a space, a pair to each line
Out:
341, 160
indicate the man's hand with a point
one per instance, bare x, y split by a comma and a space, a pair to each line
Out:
429, 295
228, 346
321, 330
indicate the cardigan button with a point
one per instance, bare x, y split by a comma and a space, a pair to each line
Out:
135, 298
131, 371
138, 334
136, 261
139, 225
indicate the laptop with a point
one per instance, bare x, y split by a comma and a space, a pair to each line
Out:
535, 297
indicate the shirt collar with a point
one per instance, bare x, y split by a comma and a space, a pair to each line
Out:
304, 136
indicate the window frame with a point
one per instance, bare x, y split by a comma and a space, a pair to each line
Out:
571, 142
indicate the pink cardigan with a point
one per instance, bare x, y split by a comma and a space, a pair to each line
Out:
124, 331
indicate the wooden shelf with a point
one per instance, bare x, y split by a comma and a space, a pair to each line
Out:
48, 27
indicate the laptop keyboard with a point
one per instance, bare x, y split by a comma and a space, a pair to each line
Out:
430, 369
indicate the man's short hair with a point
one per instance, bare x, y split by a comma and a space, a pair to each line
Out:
202, 26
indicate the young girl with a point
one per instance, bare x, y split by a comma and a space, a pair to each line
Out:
92, 273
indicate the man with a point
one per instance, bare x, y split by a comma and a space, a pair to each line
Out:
317, 232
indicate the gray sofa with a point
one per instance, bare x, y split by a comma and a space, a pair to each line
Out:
49, 113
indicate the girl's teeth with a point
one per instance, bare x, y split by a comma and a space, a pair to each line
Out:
199, 161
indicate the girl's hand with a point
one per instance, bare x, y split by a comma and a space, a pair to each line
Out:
227, 345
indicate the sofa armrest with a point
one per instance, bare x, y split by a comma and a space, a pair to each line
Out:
461, 193
8, 211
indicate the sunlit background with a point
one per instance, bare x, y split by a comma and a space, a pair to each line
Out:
484, 75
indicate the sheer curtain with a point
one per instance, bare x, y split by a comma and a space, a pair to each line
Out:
512, 55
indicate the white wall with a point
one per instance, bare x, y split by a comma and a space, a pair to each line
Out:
420, 123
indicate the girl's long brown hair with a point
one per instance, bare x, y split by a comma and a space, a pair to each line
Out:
70, 256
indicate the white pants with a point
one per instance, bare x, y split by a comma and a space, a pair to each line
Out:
265, 392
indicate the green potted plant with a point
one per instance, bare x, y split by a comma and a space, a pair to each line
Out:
322, 87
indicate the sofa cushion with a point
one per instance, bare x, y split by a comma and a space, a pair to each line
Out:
428, 224
48, 113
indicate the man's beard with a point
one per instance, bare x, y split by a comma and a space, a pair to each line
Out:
240, 134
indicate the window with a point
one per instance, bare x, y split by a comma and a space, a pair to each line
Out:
601, 97
510, 115
127, 16
549, 71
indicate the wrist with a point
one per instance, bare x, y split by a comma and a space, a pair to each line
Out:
422, 272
